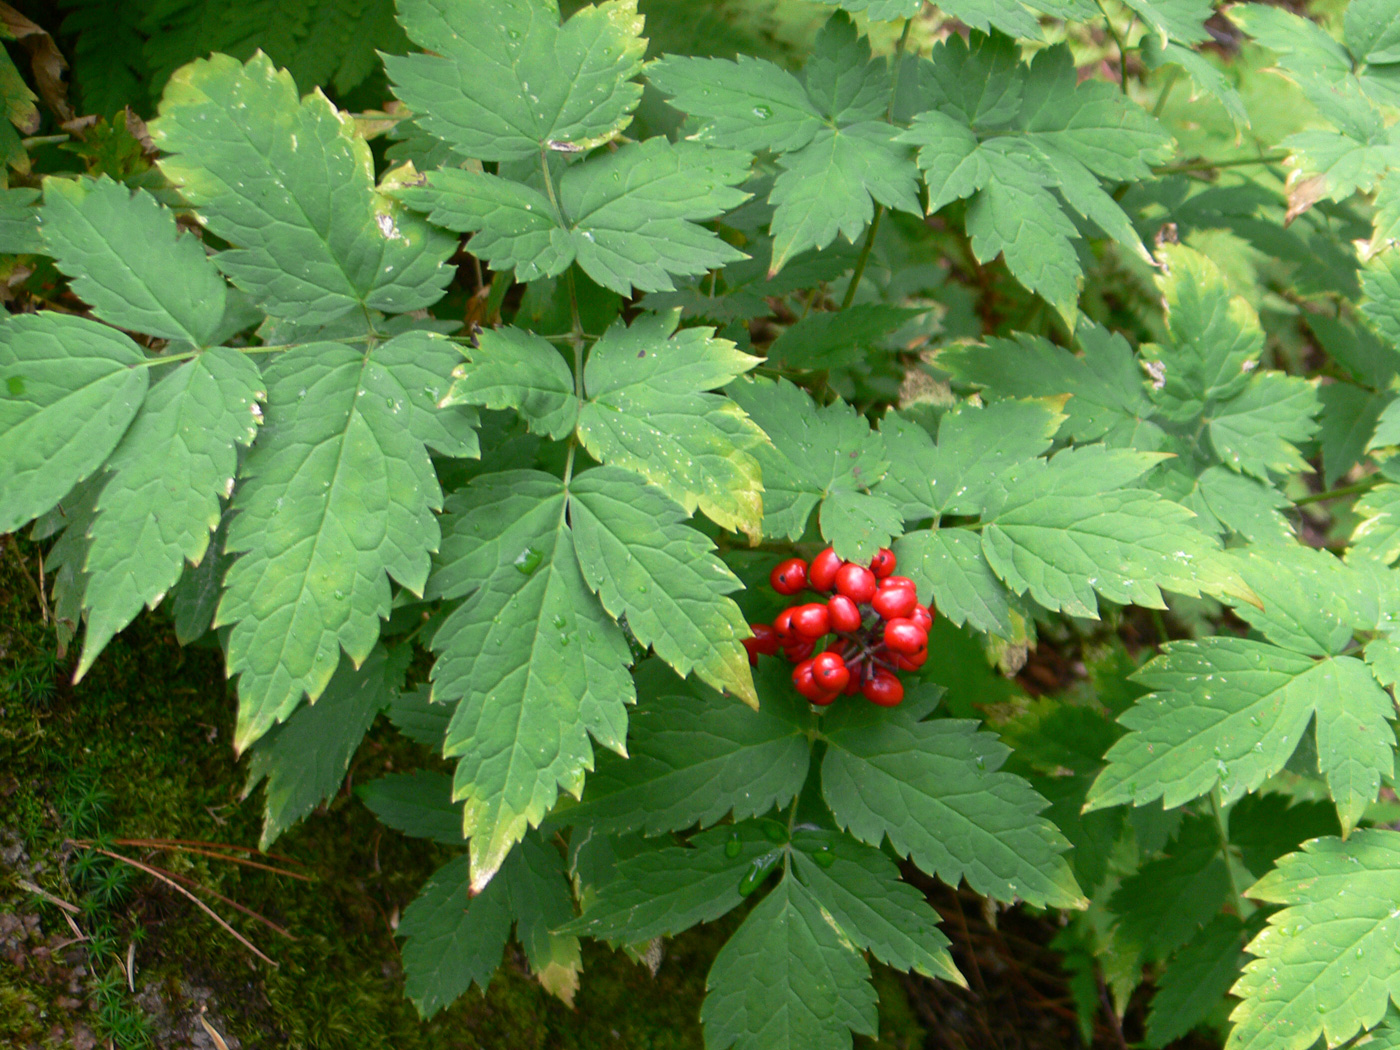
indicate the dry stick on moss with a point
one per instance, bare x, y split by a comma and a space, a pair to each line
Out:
24, 569
204, 852
165, 878
234, 904
213, 845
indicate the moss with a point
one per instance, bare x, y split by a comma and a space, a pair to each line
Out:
140, 750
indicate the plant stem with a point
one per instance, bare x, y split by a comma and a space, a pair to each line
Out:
1173, 73
1346, 490
576, 339
1118, 42
1241, 907
549, 188
1211, 165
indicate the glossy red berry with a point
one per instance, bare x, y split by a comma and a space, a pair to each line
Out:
904, 636
789, 577
899, 581
822, 574
808, 686
830, 672
922, 617
798, 651
763, 643
884, 689
856, 582
883, 563
811, 621
912, 661
782, 624
891, 602
843, 613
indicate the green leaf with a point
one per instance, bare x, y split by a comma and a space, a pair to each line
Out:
534, 663
418, 804
1246, 506
629, 218
1345, 426
953, 166
860, 889
516, 369
786, 980
19, 222
125, 258
664, 891
1377, 535
816, 453
933, 788
1064, 528
1380, 284
306, 758
1229, 712
1327, 964
1196, 980
647, 412
1180, 20
195, 596
454, 938
542, 902
949, 563
69, 388
975, 446
1373, 30
1312, 602
506, 82
1206, 77
290, 184
645, 564
837, 338
748, 104
416, 716
1105, 385
694, 758
337, 496
880, 10
1166, 902
832, 184
162, 502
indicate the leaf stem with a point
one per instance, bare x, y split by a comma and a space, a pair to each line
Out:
1173, 73
549, 188
1346, 490
1118, 42
1211, 165
1241, 906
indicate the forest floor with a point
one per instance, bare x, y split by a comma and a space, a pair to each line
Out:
96, 952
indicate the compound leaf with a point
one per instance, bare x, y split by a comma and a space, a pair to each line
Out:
290, 184
647, 411
1196, 980
748, 104
949, 563
69, 387
126, 258
163, 500
418, 804
515, 369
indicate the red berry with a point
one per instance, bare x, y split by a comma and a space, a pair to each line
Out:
899, 581
765, 639
843, 613
789, 577
808, 686
782, 624
798, 651
883, 689
822, 575
883, 563
891, 602
921, 616
905, 636
911, 662
856, 582
811, 621
830, 672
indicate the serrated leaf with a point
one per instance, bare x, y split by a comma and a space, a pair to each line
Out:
1206, 77
305, 759
786, 980
163, 500
125, 258
1377, 534
829, 339
647, 411
1196, 980
668, 889
934, 789
748, 104
880, 10
647, 565
949, 564
1380, 285
1312, 602
1065, 529
860, 889
69, 388
290, 184
1180, 20
506, 81
1373, 30
416, 716
1246, 506
516, 369
1327, 963
542, 901
693, 759
629, 218
454, 938
975, 446
337, 496
858, 524
418, 804
534, 663
815, 453
1167, 901
1344, 427
832, 184
195, 596
1229, 712
19, 222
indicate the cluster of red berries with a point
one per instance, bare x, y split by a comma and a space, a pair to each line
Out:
879, 627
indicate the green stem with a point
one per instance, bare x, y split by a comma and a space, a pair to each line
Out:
1211, 165
1118, 42
170, 359
1241, 906
577, 339
1173, 73
549, 188
1346, 490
